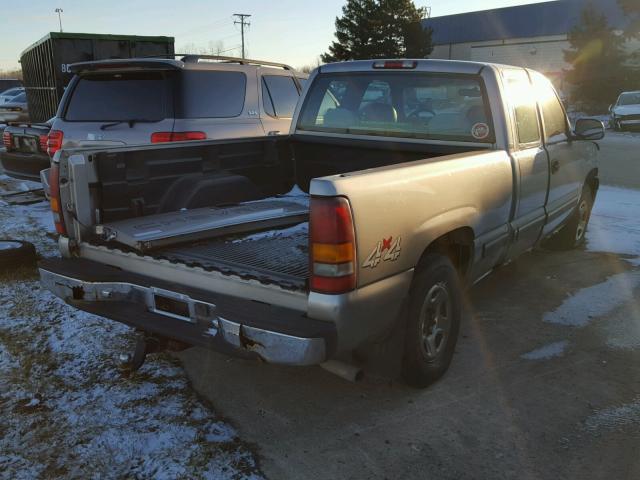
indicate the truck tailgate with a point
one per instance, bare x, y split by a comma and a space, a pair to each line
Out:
167, 229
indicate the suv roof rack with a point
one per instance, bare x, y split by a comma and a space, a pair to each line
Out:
195, 57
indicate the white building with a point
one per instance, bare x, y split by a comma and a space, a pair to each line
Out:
532, 36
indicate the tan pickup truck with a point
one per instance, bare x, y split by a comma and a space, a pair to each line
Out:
400, 183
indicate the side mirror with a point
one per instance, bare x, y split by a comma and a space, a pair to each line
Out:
589, 129
610, 108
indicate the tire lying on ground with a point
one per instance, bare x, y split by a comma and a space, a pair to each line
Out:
15, 254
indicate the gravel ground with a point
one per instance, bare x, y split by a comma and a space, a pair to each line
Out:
69, 411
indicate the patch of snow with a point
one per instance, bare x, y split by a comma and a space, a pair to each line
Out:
595, 301
300, 228
546, 352
615, 418
614, 225
622, 331
296, 191
69, 412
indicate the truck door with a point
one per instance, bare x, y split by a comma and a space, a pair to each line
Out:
566, 158
531, 164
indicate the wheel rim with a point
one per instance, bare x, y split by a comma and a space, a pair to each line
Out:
9, 245
435, 320
583, 219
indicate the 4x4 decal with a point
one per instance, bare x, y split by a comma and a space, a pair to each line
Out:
387, 250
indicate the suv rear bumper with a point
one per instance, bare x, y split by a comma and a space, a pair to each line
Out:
24, 166
227, 324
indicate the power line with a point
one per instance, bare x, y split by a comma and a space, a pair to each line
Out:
242, 23
204, 27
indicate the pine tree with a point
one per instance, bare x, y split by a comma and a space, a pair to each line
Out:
598, 62
632, 9
379, 29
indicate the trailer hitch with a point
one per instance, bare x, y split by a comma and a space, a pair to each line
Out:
147, 343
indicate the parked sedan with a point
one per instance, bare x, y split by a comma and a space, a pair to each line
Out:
10, 94
626, 111
16, 110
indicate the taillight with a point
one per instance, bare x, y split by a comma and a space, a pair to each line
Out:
54, 141
161, 137
395, 64
54, 198
44, 143
332, 245
6, 140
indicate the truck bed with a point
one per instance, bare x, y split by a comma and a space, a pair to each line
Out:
276, 256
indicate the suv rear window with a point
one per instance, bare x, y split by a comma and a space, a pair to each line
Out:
211, 94
122, 96
416, 105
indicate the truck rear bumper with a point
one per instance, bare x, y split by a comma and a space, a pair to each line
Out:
227, 324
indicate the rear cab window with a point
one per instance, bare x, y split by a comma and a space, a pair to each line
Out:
120, 96
437, 106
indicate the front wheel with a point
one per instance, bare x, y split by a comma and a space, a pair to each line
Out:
573, 234
435, 311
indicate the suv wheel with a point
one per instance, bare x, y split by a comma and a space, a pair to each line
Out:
435, 310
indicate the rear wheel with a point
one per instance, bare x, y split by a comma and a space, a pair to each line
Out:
435, 310
573, 234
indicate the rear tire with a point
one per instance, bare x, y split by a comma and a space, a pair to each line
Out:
433, 322
573, 234
16, 253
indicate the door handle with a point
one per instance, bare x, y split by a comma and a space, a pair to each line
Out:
555, 166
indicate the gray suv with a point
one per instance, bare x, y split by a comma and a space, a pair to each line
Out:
154, 100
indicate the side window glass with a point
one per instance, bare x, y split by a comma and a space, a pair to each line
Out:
553, 116
267, 103
282, 93
521, 98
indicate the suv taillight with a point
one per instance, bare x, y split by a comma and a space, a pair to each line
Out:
54, 198
161, 137
54, 141
44, 142
6, 140
332, 245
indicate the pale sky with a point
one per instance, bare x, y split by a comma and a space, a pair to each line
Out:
289, 31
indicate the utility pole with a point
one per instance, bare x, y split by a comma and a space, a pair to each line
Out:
59, 12
242, 23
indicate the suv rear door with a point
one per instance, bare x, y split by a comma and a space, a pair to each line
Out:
116, 107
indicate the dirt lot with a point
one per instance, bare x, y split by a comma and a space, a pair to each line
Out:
545, 383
